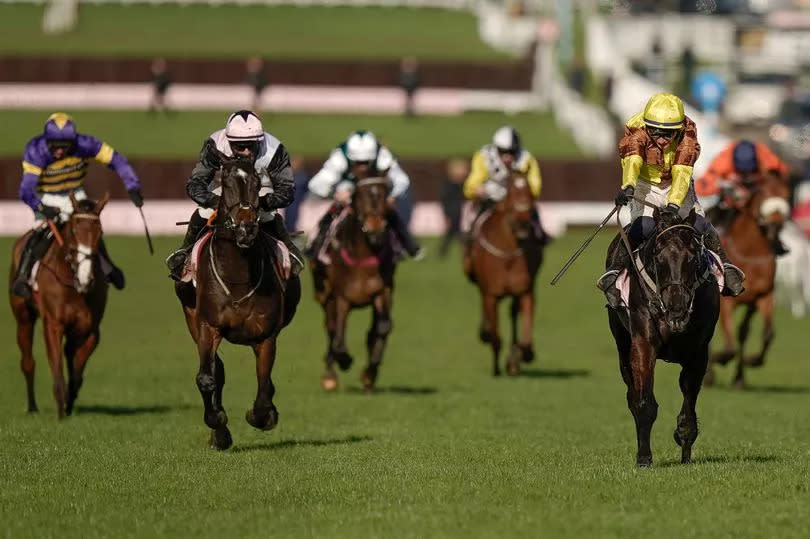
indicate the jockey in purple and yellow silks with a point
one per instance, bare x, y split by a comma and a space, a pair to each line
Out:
54, 166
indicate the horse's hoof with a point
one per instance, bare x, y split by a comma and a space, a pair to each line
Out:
513, 368
686, 455
329, 383
216, 420
754, 361
644, 462
528, 354
344, 360
268, 422
722, 358
485, 336
738, 384
368, 380
32, 411
220, 439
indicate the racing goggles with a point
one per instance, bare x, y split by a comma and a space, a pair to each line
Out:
658, 132
241, 145
54, 145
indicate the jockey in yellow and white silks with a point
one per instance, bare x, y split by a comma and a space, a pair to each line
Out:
658, 152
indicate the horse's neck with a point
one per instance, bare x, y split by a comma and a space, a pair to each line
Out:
746, 236
225, 251
352, 237
497, 231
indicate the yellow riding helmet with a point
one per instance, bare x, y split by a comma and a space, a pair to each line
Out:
664, 111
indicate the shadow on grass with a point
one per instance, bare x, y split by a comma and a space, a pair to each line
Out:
786, 390
554, 373
284, 444
395, 390
721, 459
107, 409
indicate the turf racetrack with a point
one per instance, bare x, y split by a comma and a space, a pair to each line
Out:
181, 134
285, 32
443, 450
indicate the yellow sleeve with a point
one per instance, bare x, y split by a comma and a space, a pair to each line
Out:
105, 154
534, 178
631, 168
479, 173
681, 178
29, 168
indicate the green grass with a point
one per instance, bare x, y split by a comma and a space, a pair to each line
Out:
181, 134
444, 450
283, 32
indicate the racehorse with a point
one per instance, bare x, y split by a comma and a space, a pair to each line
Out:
672, 310
240, 295
70, 295
503, 260
359, 273
749, 237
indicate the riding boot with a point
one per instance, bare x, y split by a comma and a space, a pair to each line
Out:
619, 260
113, 273
732, 275
278, 230
541, 236
311, 251
177, 259
778, 247
404, 236
34, 248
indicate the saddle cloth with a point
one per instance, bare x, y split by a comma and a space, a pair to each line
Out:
623, 280
331, 233
281, 260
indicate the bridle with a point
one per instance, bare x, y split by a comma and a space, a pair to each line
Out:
363, 183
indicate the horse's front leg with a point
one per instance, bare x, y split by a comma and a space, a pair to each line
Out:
338, 345
765, 308
329, 381
729, 349
26, 317
640, 397
77, 354
54, 333
377, 336
742, 336
264, 415
489, 332
208, 339
690, 381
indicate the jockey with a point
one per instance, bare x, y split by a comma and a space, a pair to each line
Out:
658, 152
360, 156
734, 170
491, 166
242, 136
54, 166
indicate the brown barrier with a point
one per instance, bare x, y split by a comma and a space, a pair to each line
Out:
563, 180
506, 75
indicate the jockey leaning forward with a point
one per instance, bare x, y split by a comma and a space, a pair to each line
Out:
243, 136
54, 167
360, 156
658, 151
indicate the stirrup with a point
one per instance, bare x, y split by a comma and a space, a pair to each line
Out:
737, 288
174, 262
604, 282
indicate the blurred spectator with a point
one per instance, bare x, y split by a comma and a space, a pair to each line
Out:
655, 67
257, 80
160, 85
409, 81
576, 78
452, 200
404, 206
300, 179
688, 63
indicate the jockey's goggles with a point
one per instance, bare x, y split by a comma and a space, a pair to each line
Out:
60, 145
241, 145
658, 132
507, 151
361, 163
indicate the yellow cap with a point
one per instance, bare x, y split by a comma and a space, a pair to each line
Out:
664, 111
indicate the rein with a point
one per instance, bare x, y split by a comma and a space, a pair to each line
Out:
487, 245
82, 254
222, 282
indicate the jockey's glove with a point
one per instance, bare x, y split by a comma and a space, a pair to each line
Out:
266, 203
669, 215
624, 195
136, 197
49, 212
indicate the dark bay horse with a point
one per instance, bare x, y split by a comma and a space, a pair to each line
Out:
360, 274
503, 260
70, 297
674, 303
748, 239
241, 296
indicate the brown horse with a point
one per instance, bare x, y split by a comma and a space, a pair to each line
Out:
503, 260
241, 296
748, 241
360, 273
70, 297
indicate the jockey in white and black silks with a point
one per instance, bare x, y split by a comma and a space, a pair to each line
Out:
54, 167
658, 153
360, 155
243, 136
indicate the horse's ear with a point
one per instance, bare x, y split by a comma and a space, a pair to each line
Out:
103, 202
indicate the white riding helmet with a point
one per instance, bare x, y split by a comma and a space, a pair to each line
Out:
361, 146
507, 139
243, 125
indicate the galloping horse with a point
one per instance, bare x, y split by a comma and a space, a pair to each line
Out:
70, 296
503, 260
241, 296
360, 273
748, 240
673, 308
